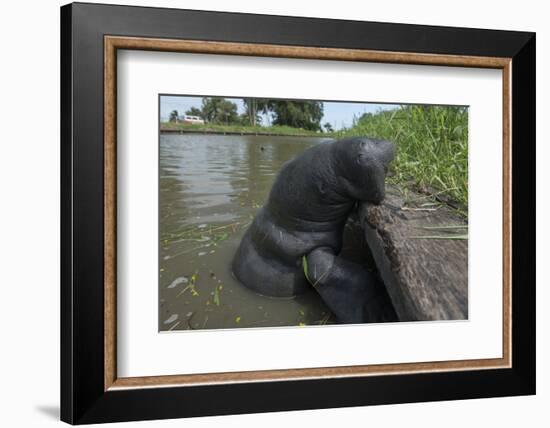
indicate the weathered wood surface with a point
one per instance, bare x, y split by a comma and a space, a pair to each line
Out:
427, 279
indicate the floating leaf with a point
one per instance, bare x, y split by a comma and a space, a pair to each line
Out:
217, 297
171, 319
178, 281
191, 287
238, 320
221, 237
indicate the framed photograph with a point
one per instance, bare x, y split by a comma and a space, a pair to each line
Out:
266, 213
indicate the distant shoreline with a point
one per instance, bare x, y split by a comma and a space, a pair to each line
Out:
256, 133
216, 129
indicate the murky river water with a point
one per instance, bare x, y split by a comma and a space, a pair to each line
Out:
210, 189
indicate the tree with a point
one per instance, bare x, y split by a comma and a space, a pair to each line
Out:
174, 116
243, 119
328, 127
298, 114
251, 110
194, 111
219, 110
255, 107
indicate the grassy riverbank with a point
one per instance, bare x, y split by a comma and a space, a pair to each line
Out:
240, 129
432, 146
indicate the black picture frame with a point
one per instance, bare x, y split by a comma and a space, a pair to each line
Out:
83, 398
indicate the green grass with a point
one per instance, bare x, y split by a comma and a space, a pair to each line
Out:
240, 129
432, 146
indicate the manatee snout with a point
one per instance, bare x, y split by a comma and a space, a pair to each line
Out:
385, 152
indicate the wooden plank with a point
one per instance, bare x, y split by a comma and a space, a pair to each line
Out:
426, 278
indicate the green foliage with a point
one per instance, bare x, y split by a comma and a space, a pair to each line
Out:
432, 145
304, 115
298, 114
328, 127
219, 110
173, 116
243, 120
194, 111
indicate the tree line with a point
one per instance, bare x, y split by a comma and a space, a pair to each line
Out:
297, 114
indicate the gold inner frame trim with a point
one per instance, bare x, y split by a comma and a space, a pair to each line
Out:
113, 43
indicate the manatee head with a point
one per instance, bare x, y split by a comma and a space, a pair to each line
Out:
362, 167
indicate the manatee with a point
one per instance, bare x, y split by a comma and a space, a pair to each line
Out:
303, 222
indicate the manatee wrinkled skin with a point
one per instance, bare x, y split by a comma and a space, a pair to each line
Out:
305, 215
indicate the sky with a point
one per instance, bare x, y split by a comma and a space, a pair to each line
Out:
338, 114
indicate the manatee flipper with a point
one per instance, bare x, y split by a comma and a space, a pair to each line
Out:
266, 275
352, 293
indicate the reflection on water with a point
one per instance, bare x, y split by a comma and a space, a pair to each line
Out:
210, 189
